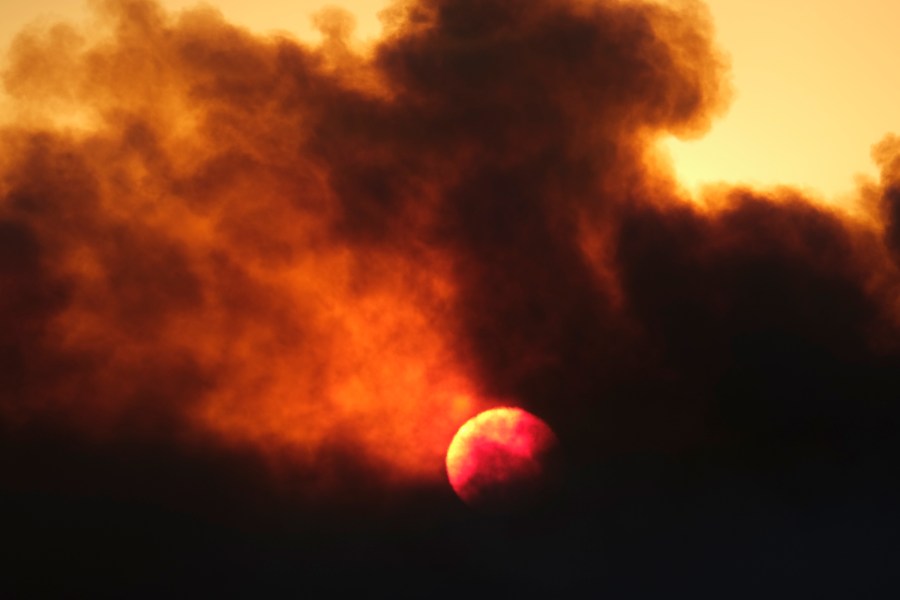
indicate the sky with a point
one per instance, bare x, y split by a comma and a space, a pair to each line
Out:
815, 83
254, 285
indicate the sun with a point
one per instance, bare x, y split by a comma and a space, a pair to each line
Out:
503, 459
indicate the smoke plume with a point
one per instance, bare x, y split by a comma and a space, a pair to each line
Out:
218, 244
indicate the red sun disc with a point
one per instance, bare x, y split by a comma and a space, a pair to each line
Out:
502, 459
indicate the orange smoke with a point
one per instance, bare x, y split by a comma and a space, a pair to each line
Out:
187, 260
212, 235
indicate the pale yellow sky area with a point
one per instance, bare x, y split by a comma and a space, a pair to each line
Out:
817, 81
817, 84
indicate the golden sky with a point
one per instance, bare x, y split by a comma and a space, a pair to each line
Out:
815, 82
816, 85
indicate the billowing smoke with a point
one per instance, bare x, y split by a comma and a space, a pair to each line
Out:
216, 244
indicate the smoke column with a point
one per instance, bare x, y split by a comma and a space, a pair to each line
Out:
228, 257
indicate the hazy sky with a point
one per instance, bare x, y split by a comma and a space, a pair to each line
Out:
816, 82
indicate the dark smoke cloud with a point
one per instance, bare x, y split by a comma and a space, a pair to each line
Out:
245, 276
